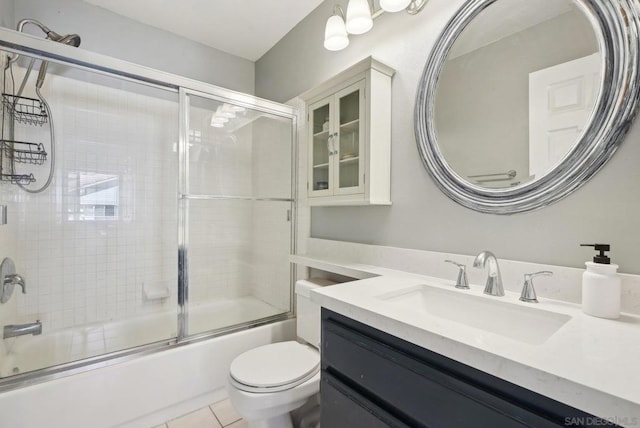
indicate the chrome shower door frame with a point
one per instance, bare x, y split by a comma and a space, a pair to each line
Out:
19, 43
184, 196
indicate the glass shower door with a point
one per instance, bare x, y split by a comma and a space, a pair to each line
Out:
237, 203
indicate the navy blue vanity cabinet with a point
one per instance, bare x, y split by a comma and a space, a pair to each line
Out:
371, 379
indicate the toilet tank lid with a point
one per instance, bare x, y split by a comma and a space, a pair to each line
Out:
304, 286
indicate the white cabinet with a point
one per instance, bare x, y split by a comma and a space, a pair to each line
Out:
349, 137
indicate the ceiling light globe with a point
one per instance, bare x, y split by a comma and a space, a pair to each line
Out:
394, 5
218, 119
335, 34
359, 19
224, 111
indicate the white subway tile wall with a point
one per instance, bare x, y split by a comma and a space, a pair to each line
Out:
107, 225
240, 247
106, 230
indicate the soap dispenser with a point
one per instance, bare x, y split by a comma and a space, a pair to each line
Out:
601, 285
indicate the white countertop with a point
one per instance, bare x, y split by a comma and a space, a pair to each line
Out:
590, 363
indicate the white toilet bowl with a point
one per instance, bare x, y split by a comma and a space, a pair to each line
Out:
268, 382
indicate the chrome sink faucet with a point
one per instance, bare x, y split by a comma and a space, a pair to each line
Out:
14, 330
494, 279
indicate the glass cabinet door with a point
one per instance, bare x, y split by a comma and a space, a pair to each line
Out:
321, 136
349, 139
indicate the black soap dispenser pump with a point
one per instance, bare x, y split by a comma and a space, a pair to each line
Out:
601, 285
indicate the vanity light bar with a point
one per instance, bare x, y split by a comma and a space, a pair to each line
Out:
359, 19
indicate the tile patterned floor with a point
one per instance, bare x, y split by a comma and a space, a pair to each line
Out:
217, 415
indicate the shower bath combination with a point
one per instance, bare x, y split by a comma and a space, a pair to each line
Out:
159, 230
34, 153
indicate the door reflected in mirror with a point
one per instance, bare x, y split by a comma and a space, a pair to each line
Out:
516, 91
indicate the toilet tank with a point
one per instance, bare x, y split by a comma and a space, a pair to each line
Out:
308, 313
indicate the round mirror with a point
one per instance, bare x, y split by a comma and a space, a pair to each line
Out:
521, 101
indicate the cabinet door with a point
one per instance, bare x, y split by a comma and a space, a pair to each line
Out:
321, 148
425, 389
343, 407
349, 140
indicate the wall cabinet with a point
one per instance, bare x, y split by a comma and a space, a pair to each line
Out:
373, 379
349, 137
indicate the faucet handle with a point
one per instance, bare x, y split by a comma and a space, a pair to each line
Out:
462, 281
16, 279
528, 292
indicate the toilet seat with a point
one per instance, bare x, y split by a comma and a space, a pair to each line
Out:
274, 367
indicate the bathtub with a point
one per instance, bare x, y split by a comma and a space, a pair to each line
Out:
140, 392
27, 353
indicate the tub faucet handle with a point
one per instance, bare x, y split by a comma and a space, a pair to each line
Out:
462, 281
16, 279
528, 292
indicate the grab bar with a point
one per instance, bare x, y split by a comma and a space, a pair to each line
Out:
509, 175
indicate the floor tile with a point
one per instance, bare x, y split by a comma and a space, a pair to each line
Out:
238, 424
202, 418
225, 412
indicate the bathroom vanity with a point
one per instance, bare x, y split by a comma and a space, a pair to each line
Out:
373, 379
408, 349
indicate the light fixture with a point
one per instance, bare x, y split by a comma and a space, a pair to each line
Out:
394, 5
359, 19
225, 111
218, 121
238, 109
335, 32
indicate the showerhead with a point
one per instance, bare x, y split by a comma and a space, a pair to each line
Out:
69, 39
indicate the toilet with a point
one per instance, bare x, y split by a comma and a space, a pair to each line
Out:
268, 382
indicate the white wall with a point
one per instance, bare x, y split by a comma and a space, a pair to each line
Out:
422, 217
6, 13
107, 33
478, 87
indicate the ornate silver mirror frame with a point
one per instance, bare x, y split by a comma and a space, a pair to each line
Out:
618, 22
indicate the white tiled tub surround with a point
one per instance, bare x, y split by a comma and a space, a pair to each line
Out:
86, 274
564, 285
240, 247
82, 270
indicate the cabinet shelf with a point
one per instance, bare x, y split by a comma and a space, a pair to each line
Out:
347, 161
357, 128
352, 126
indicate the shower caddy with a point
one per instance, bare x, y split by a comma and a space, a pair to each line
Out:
29, 111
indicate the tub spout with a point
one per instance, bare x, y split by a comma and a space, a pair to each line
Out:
14, 330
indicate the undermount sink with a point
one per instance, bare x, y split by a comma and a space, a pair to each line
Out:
528, 325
